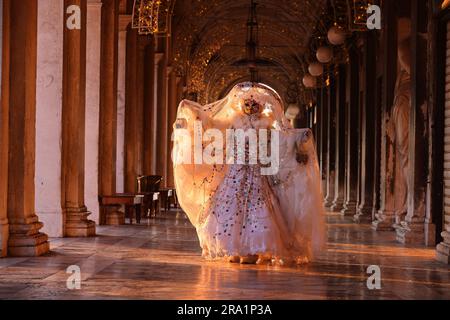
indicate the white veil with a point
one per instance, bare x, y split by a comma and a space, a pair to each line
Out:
296, 185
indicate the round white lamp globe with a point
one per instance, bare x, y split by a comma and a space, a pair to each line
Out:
309, 81
336, 36
315, 69
324, 54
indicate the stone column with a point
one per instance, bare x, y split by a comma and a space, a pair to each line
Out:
73, 143
377, 134
339, 184
93, 49
24, 236
412, 230
352, 135
4, 126
368, 128
323, 122
175, 93
156, 118
48, 116
174, 84
142, 43
164, 122
316, 121
124, 21
148, 109
330, 143
108, 107
130, 101
133, 111
385, 216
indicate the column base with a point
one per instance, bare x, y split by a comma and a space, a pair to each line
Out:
25, 240
410, 233
363, 215
4, 234
77, 223
384, 221
349, 209
443, 249
430, 234
337, 206
115, 218
328, 203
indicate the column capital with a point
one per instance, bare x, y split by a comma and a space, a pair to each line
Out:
124, 21
159, 56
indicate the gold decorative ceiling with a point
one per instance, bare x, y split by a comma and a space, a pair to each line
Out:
210, 35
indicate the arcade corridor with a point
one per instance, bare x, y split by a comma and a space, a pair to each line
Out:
89, 95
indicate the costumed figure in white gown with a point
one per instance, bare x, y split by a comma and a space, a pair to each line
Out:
249, 202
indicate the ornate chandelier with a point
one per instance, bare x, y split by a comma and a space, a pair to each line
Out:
152, 16
358, 14
350, 14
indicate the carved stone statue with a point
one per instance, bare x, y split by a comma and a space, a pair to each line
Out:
445, 4
398, 129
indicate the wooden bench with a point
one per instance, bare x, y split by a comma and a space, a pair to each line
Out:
131, 201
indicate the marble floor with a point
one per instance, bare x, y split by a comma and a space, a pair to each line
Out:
160, 259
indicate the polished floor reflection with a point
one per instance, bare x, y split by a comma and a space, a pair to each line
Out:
161, 260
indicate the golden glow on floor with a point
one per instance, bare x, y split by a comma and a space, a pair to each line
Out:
161, 260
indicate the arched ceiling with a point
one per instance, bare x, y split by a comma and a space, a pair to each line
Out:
210, 35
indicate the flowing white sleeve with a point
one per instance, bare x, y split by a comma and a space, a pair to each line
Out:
195, 182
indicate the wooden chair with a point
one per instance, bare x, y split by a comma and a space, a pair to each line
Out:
148, 183
169, 198
149, 187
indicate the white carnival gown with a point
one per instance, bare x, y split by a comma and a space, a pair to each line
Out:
238, 211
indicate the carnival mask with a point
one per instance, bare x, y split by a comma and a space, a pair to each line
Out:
251, 107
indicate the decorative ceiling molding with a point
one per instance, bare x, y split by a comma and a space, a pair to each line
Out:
152, 16
209, 37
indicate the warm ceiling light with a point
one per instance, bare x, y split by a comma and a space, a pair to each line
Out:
315, 69
324, 54
309, 81
336, 36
